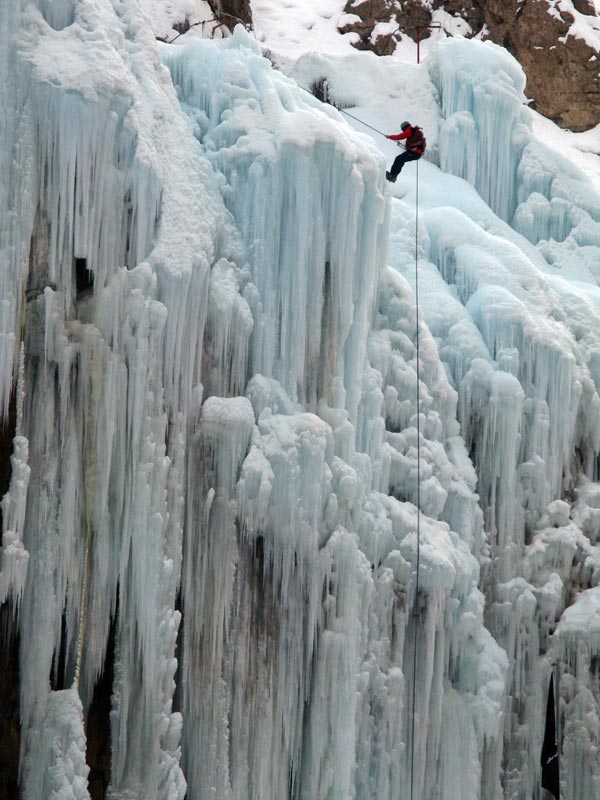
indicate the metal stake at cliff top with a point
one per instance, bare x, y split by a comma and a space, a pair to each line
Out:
419, 29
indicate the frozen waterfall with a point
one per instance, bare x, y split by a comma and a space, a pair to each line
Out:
208, 375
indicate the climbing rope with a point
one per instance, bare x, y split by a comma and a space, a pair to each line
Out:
366, 124
86, 562
220, 23
418, 559
557, 733
88, 539
20, 398
347, 114
418, 492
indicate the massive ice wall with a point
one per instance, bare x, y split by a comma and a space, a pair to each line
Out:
219, 385
214, 473
320, 552
486, 137
97, 188
528, 407
521, 347
481, 94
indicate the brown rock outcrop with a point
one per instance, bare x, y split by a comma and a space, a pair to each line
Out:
236, 9
408, 14
563, 72
585, 7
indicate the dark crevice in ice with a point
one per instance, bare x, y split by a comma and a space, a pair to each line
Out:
84, 278
59, 14
98, 726
57, 676
10, 731
7, 434
177, 694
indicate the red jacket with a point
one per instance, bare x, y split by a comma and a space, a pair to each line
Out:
417, 145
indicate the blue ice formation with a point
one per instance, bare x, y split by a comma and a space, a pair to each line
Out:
218, 431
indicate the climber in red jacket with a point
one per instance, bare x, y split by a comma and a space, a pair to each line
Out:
415, 147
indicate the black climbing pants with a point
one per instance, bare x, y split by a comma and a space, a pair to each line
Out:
401, 160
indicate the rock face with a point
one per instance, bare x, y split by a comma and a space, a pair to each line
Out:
563, 71
237, 9
407, 15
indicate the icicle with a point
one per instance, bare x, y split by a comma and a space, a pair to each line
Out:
14, 556
481, 90
61, 749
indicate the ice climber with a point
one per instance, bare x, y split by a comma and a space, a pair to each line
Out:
415, 147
